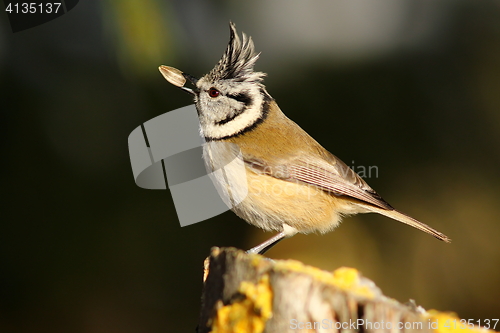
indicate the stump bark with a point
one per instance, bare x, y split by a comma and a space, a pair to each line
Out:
249, 293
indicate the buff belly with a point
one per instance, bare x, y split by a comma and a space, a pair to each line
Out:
271, 202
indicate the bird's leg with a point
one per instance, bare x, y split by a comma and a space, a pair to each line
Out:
268, 244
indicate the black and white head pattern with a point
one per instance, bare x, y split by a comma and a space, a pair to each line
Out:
231, 98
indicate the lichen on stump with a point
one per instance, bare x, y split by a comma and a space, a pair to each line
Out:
247, 293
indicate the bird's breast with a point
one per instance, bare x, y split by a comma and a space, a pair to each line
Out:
269, 202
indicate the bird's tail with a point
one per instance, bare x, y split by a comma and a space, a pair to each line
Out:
398, 216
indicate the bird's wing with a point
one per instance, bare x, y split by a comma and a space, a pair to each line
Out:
330, 175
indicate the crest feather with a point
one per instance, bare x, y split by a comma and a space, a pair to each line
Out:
238, 60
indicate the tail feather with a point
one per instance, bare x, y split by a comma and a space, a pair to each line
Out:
396, 215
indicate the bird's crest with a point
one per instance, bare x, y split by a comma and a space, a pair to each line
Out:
237, 61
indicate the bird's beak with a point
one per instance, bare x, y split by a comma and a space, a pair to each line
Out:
191, 79
178, 78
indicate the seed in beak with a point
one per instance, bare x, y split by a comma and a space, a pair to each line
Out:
173, 75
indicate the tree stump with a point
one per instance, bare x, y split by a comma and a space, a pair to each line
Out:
248, 293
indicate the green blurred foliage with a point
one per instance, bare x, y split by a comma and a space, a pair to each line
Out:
140, 34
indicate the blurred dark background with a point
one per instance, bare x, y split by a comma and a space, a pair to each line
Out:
410, 87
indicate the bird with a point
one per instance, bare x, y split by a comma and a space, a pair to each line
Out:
292, 184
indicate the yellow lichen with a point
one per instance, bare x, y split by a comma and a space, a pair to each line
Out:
256, 259
249, 315
344, 278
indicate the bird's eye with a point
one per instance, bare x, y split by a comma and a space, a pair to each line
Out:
212, 92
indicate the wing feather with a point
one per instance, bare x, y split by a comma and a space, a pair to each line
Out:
334, 177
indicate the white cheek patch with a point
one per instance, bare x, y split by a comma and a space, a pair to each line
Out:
247, 118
